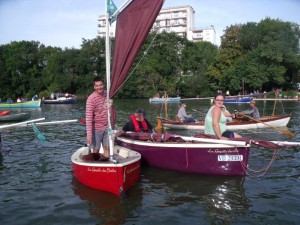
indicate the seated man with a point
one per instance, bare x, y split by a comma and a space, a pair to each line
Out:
253, 111
137, 123
183, 116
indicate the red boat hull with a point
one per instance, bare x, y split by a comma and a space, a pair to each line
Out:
116, 178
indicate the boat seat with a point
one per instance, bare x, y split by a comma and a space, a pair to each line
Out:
123, 153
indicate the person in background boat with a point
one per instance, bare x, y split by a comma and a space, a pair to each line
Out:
183, 116
215, 120
97, 119
18, 100
52, 96
9, 100
137, 123
227, 114
34, 98
253, 111
57, 95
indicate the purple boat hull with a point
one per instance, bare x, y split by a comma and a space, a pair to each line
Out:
201, 158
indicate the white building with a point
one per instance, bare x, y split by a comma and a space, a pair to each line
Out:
179, 20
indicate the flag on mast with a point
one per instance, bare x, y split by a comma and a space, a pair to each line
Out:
111, 7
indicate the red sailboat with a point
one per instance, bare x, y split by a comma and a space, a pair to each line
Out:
134, 21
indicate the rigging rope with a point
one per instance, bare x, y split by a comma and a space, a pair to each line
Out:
145, 53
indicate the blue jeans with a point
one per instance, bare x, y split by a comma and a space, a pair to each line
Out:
188, 120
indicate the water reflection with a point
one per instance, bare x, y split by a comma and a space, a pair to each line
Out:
109, 208
221, 198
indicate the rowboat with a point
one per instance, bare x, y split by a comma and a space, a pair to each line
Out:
113, 176
134, 21
61, 100
15, 117
236, 124
165, 100
238, 99
27, 104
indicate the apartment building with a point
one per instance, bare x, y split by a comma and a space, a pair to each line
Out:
180, 20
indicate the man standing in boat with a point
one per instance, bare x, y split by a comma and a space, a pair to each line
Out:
97, 118
137, 123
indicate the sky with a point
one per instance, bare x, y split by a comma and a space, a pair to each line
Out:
64, 23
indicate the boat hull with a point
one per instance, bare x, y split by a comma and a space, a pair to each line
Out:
15, 117
108, 176
201, 158
275, 121
238, 100
60, 101
164, 100
27, 104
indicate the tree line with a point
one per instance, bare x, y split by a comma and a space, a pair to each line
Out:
252, 56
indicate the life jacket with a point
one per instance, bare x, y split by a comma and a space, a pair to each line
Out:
136, 124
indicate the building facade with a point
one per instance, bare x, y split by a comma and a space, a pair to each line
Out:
180, 20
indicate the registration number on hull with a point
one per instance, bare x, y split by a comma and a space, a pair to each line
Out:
230, 158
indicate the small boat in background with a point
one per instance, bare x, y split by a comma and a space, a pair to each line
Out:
26, 104
14, 117
165, 100
61, 100
238, 99
3, 113
236, 124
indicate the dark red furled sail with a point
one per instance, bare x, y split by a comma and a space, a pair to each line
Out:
133, 26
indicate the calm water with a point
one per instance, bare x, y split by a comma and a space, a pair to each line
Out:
37, 184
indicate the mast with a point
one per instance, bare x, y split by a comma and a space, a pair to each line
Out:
107, 63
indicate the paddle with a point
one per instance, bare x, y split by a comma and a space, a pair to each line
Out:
57, 122
286, 143
39, 135
286, 132
195, 110
26, 123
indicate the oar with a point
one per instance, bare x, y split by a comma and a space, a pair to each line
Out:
57, 122
286, 143
39, 135
28, 122
286, 132
195, 110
